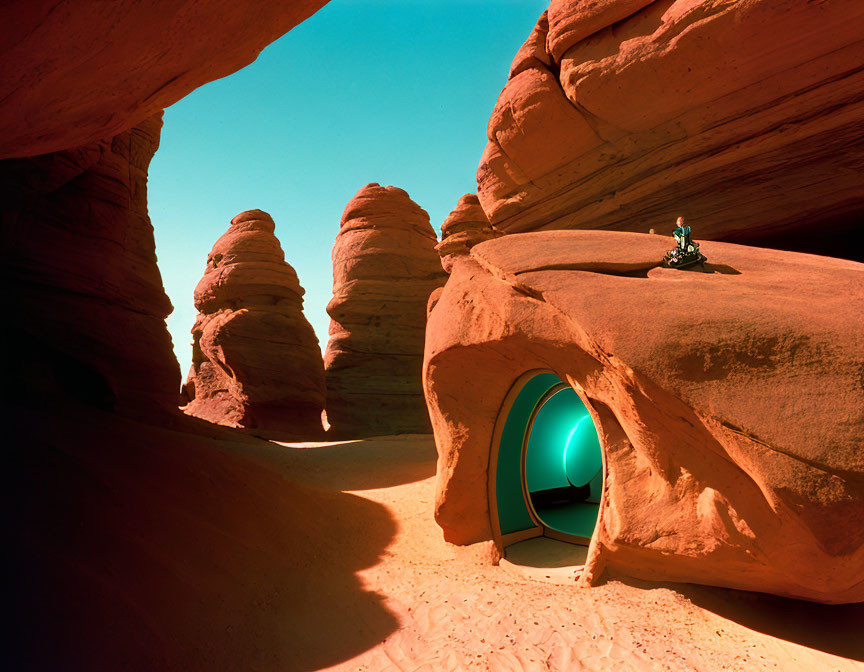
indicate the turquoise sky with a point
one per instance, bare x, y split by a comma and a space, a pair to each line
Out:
391, 92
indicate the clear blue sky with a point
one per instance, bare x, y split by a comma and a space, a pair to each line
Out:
391, 92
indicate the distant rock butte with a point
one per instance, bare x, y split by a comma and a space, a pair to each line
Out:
82, 278
729, 401
623, 114
255, 360
86, 71
384, 269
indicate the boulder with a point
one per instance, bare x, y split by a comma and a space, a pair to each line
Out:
384, 270
623, 114
73, 73
85, 292
255, 359
728, 400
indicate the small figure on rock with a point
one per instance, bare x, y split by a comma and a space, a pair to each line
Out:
686, 253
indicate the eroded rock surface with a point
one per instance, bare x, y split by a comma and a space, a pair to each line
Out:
255, 359
623, 114
73, 73
728, 399
465, 227
384, 269
85, 292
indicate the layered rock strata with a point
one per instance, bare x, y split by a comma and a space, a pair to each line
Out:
82, 278
384, 269
728, 401
742, 116
256, 361
73, 73
465, 227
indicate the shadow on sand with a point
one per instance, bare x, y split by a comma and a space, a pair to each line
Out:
545, 553
145, 548
834, 629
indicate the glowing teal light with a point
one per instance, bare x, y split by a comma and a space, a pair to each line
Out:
582, 459
544, 468
562, 450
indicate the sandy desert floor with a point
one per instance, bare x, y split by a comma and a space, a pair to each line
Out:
456, 613
199, 548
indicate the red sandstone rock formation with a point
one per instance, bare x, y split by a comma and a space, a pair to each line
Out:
384, 269
82, 277
465, 227
729, 402
745, 117
255, 359
72, 73
82, 265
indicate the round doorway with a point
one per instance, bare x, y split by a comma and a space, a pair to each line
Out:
563, 469
547, 463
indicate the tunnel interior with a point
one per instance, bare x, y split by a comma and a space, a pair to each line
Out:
549, 472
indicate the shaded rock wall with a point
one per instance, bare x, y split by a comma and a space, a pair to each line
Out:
75, 79
87, 304
255, 358
384, 269
745, 117
72, 73
729, 402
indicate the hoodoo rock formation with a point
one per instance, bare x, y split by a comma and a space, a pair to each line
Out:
82, 279
256, 361
743, 116
465, 227
384, 269
728, 402
85, 71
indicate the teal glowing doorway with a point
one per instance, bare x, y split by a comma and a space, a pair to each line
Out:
548, 463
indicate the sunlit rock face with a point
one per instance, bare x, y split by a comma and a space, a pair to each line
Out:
728, 401
743, 116
465, 227
82, 279
384, 269
256, 361
76, 72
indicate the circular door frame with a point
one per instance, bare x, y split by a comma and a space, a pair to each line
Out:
540, 528
547, 531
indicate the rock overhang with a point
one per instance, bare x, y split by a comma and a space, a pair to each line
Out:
617, 112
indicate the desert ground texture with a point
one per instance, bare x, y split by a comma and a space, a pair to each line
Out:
455, 612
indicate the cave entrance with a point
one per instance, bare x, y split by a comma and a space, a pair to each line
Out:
546, 463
